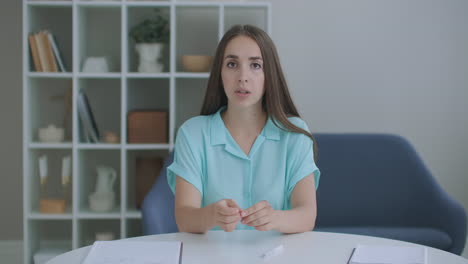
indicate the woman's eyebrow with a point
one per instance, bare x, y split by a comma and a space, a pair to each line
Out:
256, 58
230, 56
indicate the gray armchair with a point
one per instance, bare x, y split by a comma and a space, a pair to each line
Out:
371, 184
376, 184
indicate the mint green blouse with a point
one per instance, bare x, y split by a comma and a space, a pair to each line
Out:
207, 156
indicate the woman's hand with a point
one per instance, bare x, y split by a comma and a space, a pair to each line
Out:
261, 216
226, 214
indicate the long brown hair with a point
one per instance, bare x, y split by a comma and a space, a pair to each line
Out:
276, 102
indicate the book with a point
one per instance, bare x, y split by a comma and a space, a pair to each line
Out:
49, 52
84, 120
57, 54
90, 131
42, 52
366, 254
34, 53
135, 252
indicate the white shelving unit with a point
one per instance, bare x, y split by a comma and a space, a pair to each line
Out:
100, 28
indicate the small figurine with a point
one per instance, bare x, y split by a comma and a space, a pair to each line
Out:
111, 137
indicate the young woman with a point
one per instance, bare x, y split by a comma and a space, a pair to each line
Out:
247, 162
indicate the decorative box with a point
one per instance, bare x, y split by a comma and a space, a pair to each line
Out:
148, 127
52, 206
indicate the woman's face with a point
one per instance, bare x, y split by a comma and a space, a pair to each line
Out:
242, 72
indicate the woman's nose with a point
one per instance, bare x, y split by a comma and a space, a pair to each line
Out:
243, 75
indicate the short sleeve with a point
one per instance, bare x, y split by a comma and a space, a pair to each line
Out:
301, 160
186, 164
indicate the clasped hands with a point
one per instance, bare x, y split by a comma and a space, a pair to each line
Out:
261, 215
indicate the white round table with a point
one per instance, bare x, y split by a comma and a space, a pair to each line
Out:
248, 246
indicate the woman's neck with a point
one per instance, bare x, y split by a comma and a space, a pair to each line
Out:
244, 121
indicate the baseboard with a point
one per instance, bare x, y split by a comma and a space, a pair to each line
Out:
11, 251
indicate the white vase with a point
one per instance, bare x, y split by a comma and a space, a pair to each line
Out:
149, 55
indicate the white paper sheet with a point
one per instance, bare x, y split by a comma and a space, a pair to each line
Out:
367, 254
134, 252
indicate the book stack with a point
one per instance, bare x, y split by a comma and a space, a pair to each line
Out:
46, 56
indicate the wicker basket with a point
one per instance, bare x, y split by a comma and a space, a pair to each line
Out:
147, 127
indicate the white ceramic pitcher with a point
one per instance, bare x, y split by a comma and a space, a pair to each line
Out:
105, 179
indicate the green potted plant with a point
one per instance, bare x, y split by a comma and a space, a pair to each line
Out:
150, 36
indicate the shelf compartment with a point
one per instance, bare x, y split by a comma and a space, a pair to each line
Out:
88, 161
104, 97
89, 230
133, 227
137, 14
99, 34
48, 235
257, 16
189, 99
147, 95
196, 32
143, 168
53, 188
57, 19
49, 100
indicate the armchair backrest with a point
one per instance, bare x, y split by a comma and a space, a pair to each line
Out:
158, 206
372, 178
379, 180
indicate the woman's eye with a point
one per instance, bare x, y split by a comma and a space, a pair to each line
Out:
231, 64
256, 65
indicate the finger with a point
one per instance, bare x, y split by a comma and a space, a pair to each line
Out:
254, 208
231, 227
247, 220
232, 203
228, 227
260, 221
265, 227
227, 211
229, 219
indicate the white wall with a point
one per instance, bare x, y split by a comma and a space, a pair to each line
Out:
393, 66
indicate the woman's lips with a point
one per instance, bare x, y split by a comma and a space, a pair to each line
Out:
242, 93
